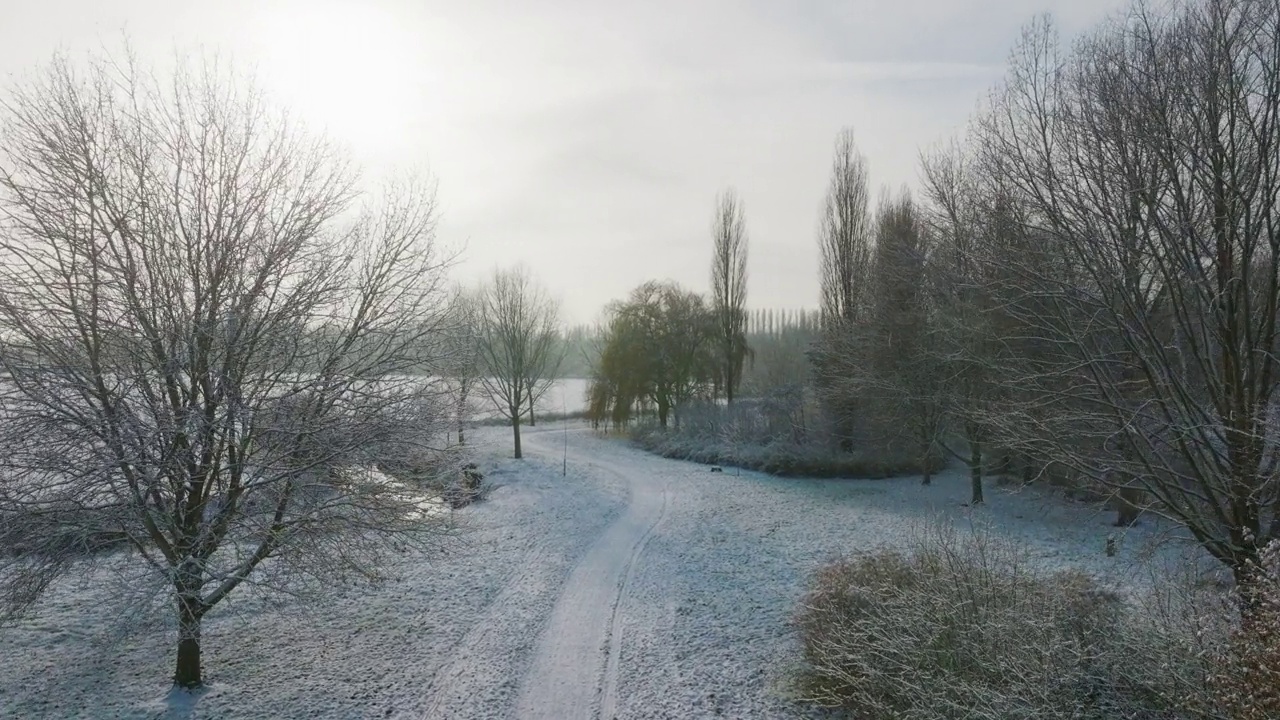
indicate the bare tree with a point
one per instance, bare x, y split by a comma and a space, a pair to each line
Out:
201, 361
964, 337
1148, 164
516, 318
464, 370
547, 352
729, 289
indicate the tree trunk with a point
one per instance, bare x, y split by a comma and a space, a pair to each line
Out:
844, 428
663, 410
515, 430
728, 383
462, 405
926, 464
532, 420
188, 673
975, 471
1128, 506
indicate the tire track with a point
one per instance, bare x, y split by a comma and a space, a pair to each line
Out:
609, 699
574, 670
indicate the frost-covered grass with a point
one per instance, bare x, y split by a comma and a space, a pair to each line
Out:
720, 633
369, 651
705, 624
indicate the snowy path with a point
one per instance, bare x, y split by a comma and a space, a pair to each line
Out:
574, 673
631, 588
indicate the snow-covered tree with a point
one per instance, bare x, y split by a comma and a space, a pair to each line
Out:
519, 322
205, 356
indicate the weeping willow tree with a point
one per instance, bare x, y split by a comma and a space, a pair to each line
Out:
659, 349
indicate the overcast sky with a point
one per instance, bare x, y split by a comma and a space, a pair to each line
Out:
588, 139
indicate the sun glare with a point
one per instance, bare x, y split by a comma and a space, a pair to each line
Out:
344, 65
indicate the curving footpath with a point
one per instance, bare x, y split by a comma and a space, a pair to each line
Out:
574, 670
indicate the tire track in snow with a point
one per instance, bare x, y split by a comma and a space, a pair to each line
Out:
573, 674
609, 700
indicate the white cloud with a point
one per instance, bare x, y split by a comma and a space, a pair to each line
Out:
589, 139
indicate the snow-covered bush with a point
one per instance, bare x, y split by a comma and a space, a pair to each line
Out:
961, 626
467, 488
1247, 683
769, 435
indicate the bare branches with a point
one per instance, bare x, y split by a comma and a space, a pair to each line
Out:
200, 358
465, 368
518, 349
844, 244
1141, 174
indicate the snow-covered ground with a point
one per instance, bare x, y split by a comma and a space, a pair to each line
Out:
634, 587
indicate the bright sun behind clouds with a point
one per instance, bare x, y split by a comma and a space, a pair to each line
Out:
344, 65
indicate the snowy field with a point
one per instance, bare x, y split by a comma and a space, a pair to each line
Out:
635, 587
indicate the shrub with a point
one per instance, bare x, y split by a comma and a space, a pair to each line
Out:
72, 531
1248, 682
961, 627
771, 434
470, 487
778, 457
